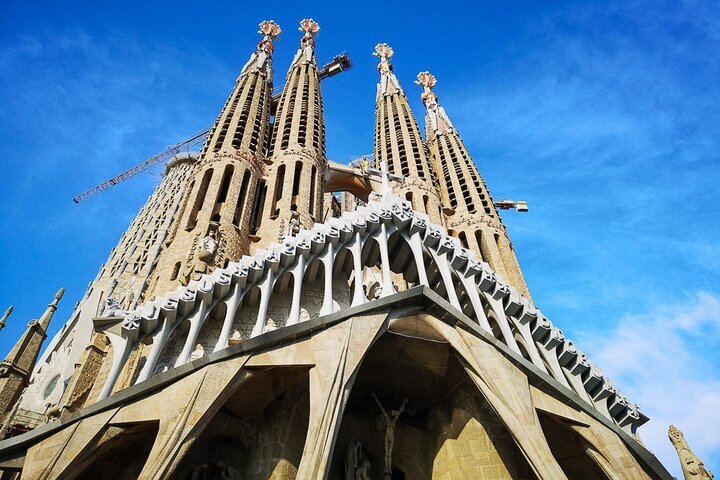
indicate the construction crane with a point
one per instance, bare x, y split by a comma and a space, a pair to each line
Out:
520, 205
163, 156
338, 64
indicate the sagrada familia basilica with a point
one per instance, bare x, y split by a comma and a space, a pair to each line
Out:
272, 314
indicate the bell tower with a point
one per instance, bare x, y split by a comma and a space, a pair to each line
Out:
216, 211
292, 192
398, 142
470, 213
15, 370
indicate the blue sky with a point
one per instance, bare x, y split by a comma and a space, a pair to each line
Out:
604, 116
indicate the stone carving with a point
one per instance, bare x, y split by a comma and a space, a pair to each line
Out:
387, 77
357, 466
306, 53
294, 224
390, 422
352, 231
204, 258
692, 467
259, 59
112, 308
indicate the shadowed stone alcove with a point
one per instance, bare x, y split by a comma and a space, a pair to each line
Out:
570, 450
118, 454
259, 433
447, 430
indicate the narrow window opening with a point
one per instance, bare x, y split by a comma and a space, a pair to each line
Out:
237, 217
222, 193
296, 185
279, 180
258, 209
311, 208
175, 272
463, 239
199, 199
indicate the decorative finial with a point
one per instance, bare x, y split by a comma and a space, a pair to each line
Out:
260, 60
385, 52
436, 121
306, 53
270, 31
5, 316
427, 80
60, 294
311, 28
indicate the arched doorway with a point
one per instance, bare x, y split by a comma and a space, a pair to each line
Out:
570, 450
444, 422
259, 432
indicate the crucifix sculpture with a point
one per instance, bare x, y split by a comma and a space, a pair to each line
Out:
385, 176
390, 422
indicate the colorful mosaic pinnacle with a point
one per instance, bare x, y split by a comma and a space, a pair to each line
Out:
309, 26
270, 29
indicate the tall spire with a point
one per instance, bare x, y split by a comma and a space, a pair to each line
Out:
388, 81
261, 59
18, 364
692, 467
470, 212
50, 310
291, 195
5, 317
306, 52
398, 141
217, 206
243, 122
436, 120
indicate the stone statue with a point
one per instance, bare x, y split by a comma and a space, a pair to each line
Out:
205, 255
208, 245
112, 308
294, 224
363, 471
357, 466
692, 467
390, 422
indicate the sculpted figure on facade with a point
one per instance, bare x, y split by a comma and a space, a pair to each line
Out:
357, 466
205, 256
390, 423
112, 308
692, 467
310, 28
265, 47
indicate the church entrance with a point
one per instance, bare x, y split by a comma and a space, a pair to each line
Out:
414, 414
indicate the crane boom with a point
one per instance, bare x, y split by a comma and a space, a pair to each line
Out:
164, 155
338, 64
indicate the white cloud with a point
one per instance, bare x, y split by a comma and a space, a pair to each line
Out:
666, 361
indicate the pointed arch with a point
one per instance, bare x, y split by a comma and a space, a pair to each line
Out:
210, 331
280, 301
343, 279
402, 260
435, 279
372, 273
245, 316
313, 289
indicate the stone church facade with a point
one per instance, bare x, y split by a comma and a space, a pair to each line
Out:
243, 329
